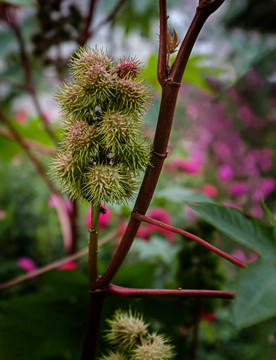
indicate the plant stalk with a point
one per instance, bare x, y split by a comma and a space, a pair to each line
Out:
93, 246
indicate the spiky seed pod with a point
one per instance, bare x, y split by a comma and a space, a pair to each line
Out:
126, 330
129, 67
134, 154
113, 356
108, 183
86, 58
68, 172
98, 85
155, 347
80, 140
93, 88
132, 97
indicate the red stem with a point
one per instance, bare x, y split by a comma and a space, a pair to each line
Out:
130, 293
202, 242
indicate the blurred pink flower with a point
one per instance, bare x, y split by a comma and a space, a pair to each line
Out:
256, 210
3, 214
69, 266
27, 264
208, 316
162, 215
225, 172
21, 116
266, 186
103, 221
189, 166
209, 190
239, 188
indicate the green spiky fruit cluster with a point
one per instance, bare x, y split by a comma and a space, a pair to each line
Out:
102, 108
129, 336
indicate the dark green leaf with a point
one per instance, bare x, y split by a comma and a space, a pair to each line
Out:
255, 300
248, 231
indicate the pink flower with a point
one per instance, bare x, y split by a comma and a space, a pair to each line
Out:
69, 266
163, 216
225, 172
27, 264
239, 188
3, 214
21, 116
208, 316
209, 190
103, 221
179, 163
266, 187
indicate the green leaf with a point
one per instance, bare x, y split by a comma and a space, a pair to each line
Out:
255, 300
248, 231
28, 3
180, 195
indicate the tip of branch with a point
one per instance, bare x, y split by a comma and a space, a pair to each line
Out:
210, 6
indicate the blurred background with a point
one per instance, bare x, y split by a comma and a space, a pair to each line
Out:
222, 149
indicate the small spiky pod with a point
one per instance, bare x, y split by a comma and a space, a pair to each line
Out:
103, 147
108, 183
132, 96
68, 172
86, 58
112, 356
155, 347
129, 67
80, 140
126, 330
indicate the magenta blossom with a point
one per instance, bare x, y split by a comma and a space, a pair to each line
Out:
103, 221
27, 264
239, 188
69, 266
225, 172
189, 166
209, 190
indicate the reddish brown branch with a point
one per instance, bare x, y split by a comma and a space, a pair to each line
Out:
29, 83
130, 293
202, 242
110, 17
30, 144
85, 33
203, 11
38, 165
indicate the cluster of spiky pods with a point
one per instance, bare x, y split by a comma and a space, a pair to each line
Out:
130, 338
103, 147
